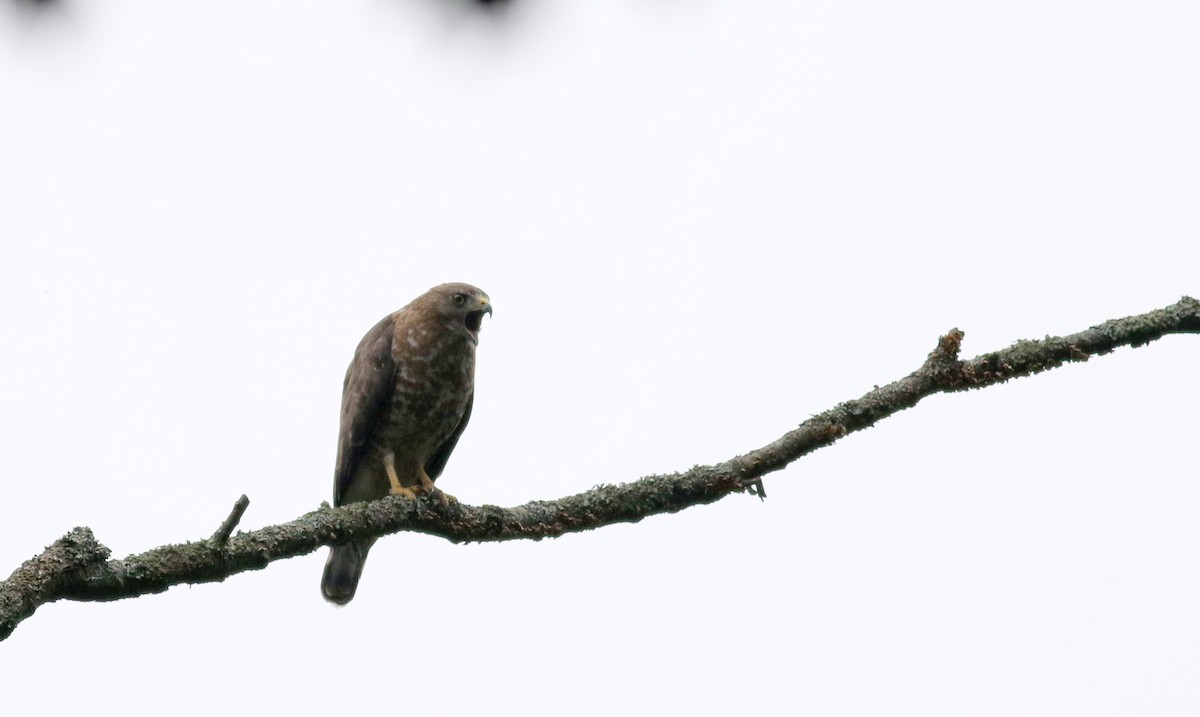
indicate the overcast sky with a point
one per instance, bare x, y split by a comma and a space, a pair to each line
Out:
700, 222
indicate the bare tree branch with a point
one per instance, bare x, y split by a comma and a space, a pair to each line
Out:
77, 567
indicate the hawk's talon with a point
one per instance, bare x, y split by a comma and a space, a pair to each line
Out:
401, 490
444, 498
416, 492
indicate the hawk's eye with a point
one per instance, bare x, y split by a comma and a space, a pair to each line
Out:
460, 299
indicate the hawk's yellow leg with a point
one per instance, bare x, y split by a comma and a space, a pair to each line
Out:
425, 487
389, 465
428, 487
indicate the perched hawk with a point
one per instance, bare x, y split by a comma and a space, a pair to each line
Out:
405, 402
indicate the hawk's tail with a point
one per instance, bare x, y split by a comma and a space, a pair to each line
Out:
343, 569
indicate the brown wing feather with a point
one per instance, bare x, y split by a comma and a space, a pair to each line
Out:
370, 380
437, 462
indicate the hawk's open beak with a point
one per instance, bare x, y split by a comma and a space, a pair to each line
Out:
475, 318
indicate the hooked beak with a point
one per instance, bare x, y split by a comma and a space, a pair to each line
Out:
475, 318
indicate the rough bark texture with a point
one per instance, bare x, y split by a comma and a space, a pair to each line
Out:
77, 566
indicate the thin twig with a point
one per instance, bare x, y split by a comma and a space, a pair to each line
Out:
239, 508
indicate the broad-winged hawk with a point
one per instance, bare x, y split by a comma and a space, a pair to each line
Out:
405, 402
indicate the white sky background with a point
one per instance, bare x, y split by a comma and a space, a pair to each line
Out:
700, 222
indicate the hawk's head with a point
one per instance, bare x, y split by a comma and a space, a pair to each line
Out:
462, 306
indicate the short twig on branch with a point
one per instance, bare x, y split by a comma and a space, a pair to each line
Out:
226, 528
77, 567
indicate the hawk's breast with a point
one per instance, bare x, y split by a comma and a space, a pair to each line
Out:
435, 377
